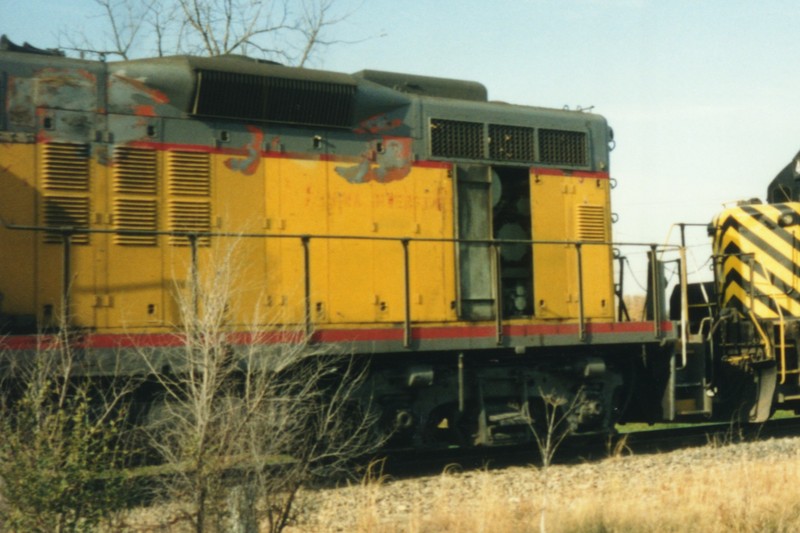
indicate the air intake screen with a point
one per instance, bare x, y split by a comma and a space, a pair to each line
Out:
454, 138
558, 147
64, 168
189, 173
66, 212
190, 195
135, 215
135, 202
135, 171
190, 217
253, 97
510, 143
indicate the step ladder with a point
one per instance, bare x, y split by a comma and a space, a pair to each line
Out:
690, 382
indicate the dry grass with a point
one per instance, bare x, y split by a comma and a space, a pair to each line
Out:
743, 494
754, 495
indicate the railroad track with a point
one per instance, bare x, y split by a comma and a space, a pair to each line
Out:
664, 440
413, 464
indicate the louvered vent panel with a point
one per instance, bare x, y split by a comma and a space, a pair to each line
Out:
591, 223
66, 212
65, 167
558, 147
135, 171
457, 139
135, 215
189, 173
510, 143
189, 217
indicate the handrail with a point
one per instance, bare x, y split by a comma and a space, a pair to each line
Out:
684, 307
406, 295
581, 317
769, 346
781, 333
305, 239
656, 293
210, 234
498, 294
767, 343
781, 320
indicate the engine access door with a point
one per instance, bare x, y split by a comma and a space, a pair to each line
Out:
475, 255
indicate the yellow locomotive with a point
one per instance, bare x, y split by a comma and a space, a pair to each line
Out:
461, 247
344, 176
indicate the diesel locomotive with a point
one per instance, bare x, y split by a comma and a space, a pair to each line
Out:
460, 247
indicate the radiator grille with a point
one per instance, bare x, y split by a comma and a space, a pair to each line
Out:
254, 97
558, 147
510, 143
591, 223
65, 167
458, 139
66, 212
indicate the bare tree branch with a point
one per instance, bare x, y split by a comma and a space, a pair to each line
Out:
125, 21
292, 32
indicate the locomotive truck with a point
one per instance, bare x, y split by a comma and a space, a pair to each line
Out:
460, 247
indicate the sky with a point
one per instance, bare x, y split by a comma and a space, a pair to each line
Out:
703, 96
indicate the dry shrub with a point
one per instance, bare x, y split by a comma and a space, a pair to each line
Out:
245, 425
63, 443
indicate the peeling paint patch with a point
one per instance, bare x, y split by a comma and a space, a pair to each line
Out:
384, 161
20, 102
154, 94
129, 95
144, 110
66, 89
249, 165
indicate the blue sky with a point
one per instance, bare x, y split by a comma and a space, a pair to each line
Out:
702, 95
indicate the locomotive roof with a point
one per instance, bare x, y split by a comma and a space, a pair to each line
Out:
198, 85
237, 88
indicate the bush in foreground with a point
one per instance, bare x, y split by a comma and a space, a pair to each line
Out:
62, 447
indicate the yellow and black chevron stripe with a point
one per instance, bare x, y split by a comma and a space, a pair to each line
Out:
758, 258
